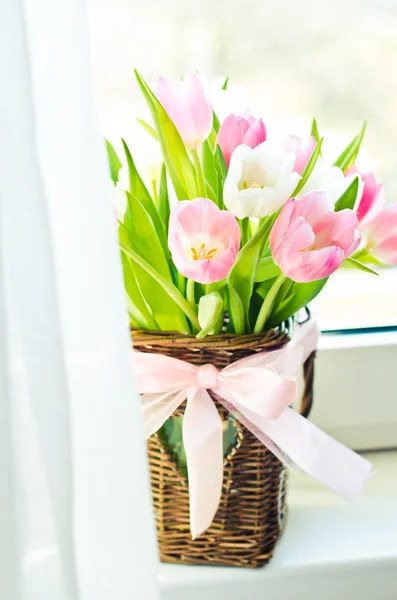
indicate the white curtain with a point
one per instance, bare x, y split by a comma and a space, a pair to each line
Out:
75, 509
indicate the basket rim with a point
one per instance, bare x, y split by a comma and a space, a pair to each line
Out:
146, 336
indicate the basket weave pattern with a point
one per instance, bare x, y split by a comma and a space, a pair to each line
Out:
251, 512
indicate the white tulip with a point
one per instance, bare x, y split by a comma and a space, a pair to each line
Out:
259, 180
329, 179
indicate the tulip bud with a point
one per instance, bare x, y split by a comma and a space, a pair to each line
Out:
188, 107
210, 314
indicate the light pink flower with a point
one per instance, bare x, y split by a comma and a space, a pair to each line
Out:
309, 240
203, 240
302, 148
188, 106
372, 199
240, 129
382, 236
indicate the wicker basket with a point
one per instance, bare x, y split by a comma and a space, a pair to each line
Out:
251, 512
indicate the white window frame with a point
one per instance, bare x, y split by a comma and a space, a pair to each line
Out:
354, 390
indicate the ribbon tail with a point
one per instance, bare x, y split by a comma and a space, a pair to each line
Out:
315, 452
202, 440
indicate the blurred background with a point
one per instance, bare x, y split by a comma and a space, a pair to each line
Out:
289, 61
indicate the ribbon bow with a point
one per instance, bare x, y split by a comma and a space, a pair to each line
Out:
258, 391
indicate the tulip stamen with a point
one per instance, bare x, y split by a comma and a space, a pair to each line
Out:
203, 253
254, 185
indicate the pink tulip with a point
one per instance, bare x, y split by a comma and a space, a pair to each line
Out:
302, 148
382, 236
203, 240
187, 106
240, 129
309, 240
372, 199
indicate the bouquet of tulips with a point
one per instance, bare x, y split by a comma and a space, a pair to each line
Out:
240, 222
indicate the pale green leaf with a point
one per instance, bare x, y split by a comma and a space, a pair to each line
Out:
114, 162
139, 190
349, 197
314, 131
149, 129
356, 264
307, 171
347, 159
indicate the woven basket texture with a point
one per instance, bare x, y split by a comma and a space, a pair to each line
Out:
252, 509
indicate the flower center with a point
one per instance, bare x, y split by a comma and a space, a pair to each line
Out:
202, 253
253, 185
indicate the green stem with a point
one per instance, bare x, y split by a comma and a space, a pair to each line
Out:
215, 287
171, 290
190, 293
181, 283
200, 174
267, 304
245, 230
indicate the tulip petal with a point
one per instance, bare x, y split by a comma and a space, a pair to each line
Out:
314, 264
199, 105
302, 148
382, 236
309, 241
254, 134
187, 106
203, 240
280, 227
339, 229
259, 180
229, 137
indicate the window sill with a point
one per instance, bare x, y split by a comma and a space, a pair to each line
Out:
330, 549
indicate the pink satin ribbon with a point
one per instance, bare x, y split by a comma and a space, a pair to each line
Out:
258, 391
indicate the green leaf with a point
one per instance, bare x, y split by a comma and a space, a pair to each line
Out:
349, 154
168, 306
164, 202
114, 162
210, 171
216, 123
224, 87
268, 304
242, 275
314, 131
356, 264
210, 314
214, 132
364, 255
136, 305
236, 309
149, 129
180, 168
139, 191
144, 238
263, 288
307, 171
267, 269
300, 296
220, 163
349, 196
221, 169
